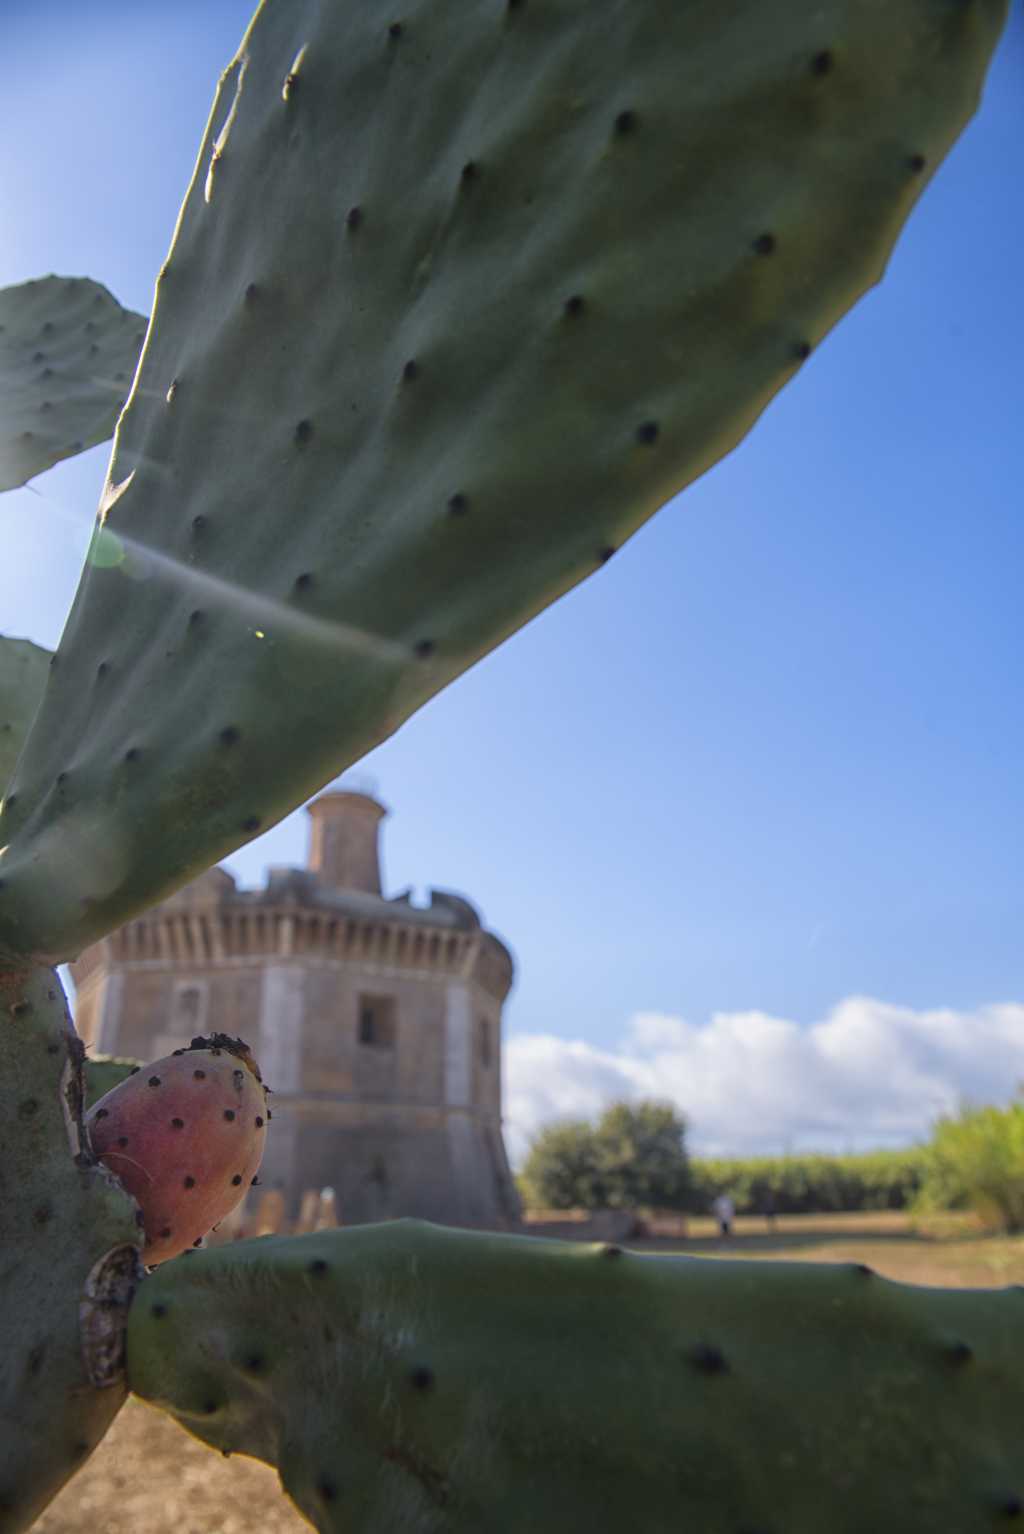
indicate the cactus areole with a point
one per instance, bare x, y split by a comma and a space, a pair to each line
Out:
185, 1136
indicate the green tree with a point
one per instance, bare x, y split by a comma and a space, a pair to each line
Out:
633, 1157
641, 1156
561, 1168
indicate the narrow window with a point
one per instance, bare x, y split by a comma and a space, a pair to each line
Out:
377, 1024
188, 1005
484, 1042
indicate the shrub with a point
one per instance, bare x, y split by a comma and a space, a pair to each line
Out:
810, 1184
975, 1160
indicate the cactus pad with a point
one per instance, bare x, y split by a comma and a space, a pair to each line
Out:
457, 299
103, 1072
407, 1377
68, 353
23, 671
68, 1257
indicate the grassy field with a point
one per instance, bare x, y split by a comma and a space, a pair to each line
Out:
149, 1476
945, 1250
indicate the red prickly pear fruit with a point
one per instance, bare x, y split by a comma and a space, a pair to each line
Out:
185, 1136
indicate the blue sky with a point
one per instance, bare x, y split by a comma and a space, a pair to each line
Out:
769, 759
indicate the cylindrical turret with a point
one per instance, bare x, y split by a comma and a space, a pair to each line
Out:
343, 847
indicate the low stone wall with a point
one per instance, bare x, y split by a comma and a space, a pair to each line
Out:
264, 1214
602, 1224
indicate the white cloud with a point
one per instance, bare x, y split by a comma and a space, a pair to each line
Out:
870, 1074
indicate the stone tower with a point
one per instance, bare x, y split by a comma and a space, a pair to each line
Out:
376, 1022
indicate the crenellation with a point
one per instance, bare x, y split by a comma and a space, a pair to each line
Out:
377, 1023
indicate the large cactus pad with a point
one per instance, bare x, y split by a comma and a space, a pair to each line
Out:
68, 353
408, 1378
23, 670
68, 1257
460, 294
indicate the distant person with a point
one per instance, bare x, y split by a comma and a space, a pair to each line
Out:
768, 1208
724, 1211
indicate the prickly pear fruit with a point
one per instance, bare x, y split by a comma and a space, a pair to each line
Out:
68, 353
185, 1136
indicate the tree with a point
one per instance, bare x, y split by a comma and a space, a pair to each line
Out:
641, 1156
561, 1168
633, 1157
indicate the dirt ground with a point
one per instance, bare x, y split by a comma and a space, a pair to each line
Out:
944, 1250
149, 1477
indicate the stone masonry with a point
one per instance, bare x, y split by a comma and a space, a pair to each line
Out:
376, 1022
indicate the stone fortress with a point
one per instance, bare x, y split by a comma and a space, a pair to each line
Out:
377, 1023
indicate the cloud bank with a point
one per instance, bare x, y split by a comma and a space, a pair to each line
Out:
870, 1074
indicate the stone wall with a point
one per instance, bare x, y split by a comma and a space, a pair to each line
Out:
376, 1024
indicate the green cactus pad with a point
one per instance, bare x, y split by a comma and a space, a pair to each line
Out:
23, 671
407, 1377
68, 352
68, 1257
104, 1072
458, 297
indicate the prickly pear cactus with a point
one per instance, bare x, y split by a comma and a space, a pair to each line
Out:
185, 1136
103, 1072
69, 1257
68, 352
406, 1377
23, 671
459, 296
